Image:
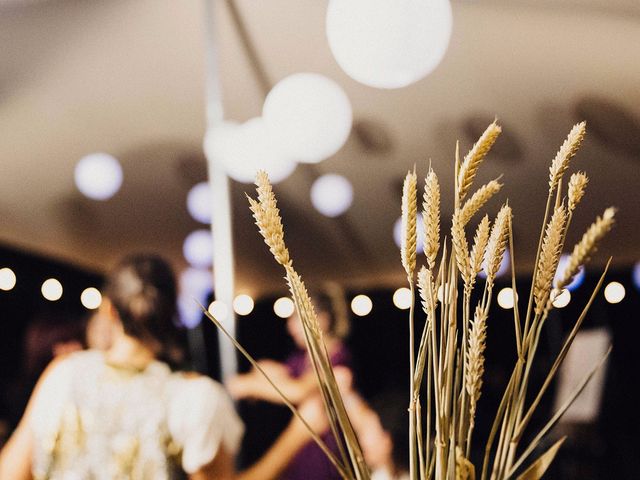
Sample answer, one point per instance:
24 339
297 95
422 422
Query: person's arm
253 385
15 457
220 468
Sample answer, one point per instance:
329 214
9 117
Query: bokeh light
402 298
98 176
243 304
198 248
361 305
51 289
91 298
331 195
284 307
200 202
614 292
7 279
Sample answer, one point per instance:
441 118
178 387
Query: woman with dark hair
125 412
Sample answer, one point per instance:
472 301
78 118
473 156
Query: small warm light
7 279
563 299
219 310
198 248
91 298
98 176
331 195
243 304
284 307
614 292
361 305
402 298
199 202
506 298
52 289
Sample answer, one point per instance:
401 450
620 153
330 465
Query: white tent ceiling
128 77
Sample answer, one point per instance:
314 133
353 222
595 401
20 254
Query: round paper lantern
198 248
388 43
98 176
199 202
331 195
244 149
309 116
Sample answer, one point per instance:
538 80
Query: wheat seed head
478 199
461 248
303 302
431 218
497 243
577 185
425 289
480 241
568 149
409 218
587 245
267 216
474 368
549 257
474 158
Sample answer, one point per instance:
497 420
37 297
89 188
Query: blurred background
118 91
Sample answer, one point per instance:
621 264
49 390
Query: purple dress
311 463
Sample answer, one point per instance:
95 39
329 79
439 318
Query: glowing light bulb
98 176
219 310
361 305
506 298
91 298
243 304
7 279
563 299
402 298
614 292
51 289
284 307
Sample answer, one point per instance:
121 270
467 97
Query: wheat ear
474 368
583 250
479 245
474 158
577 185
567 151
267 216
497 243
409 218
461 248
431 218
549 256
478 199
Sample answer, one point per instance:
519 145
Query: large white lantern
98 176
388 43
331 195
244 149
309 116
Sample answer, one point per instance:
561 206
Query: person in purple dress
297 380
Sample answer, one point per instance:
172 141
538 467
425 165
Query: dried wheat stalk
568 149
431 218
577 185
549 256
475 361
480 241
474 158
478 199
497 243
583 250
461 248
409 219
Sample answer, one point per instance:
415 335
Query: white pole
221 226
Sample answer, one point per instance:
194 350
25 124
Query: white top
94 420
